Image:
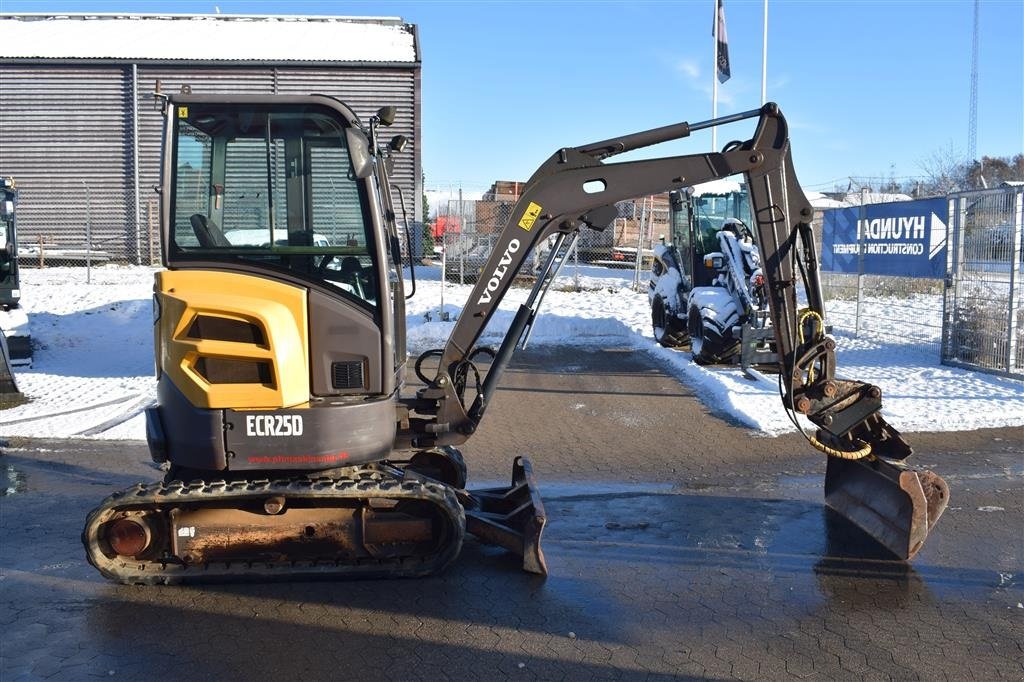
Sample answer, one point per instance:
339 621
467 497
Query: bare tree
945 171
989 171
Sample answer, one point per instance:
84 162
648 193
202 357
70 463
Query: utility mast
972 125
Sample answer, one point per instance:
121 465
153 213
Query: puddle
796 482
13 482
560 491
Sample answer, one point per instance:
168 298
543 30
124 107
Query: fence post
576 265
1015 267
861 218
639 246
88 234
153 228
444 267
952 216
636 260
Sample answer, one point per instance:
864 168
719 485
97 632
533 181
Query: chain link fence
974 318
86 229
80 232
886 308
905 310
468 229
984 298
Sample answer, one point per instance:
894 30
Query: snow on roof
723 186
207 38
858 198
819 200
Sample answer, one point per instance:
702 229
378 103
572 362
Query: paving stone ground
679 546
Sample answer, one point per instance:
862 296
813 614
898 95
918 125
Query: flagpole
714 82
764 57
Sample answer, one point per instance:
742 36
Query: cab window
273 188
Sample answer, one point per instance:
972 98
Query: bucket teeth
893 503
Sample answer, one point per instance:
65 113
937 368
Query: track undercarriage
378 520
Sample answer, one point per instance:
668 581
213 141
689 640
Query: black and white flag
723 45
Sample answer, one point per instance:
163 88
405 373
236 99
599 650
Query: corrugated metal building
80 133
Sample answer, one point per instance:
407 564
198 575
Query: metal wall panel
65 137
64 124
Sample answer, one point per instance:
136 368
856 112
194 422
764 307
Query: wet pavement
670 561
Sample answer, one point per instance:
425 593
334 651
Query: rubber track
363 484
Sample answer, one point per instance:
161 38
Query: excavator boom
867 480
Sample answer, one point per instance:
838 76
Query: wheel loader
707 291
293 448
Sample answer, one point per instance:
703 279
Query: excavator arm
866 479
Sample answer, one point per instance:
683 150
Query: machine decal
182 112
298 459
499 272
273 425
530 217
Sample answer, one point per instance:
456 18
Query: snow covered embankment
93 369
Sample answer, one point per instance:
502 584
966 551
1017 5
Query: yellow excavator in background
293 448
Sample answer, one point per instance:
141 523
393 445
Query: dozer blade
893 503
511 517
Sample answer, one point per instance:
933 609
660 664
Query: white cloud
724 96
689 68
779 82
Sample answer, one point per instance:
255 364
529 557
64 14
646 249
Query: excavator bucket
511 517
893 503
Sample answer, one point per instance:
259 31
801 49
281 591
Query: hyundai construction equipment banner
906 238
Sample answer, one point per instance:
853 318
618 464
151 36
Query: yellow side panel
278 309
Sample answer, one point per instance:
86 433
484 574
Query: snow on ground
93 359
93 368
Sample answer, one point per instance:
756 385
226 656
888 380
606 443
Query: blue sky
870 88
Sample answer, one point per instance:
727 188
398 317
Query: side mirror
714 260
675 198
386 115
359 152
398 143
396 250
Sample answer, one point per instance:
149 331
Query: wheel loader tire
668 329
706 343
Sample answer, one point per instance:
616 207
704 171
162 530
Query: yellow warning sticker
182 112
530 217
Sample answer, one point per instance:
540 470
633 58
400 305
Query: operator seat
207 232
351 274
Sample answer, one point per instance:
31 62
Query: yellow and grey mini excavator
292 447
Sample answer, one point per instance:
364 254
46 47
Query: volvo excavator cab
281 292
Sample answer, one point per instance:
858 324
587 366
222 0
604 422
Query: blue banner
905 238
